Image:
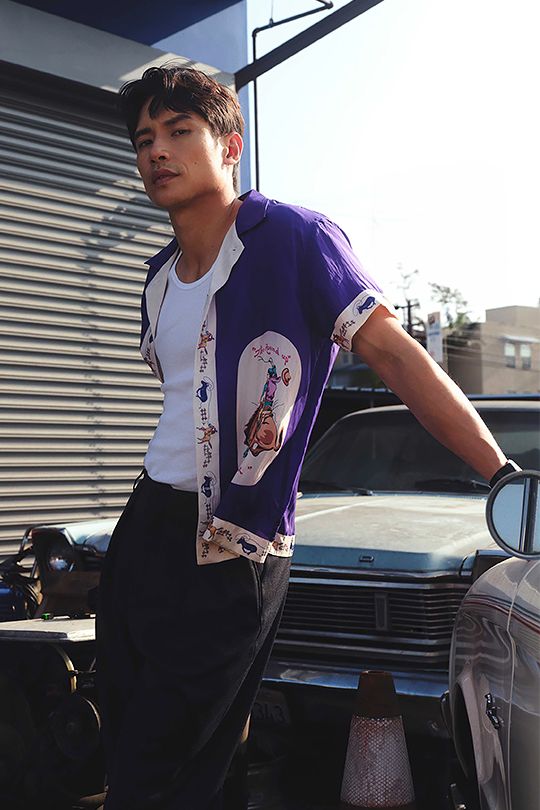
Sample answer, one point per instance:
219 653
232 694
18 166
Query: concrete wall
496 376
481 366
464 362
70 50
216 43
139 20
523 317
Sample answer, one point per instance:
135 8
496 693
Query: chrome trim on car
357 583
346 620
421 684
445 711
312 643
381 574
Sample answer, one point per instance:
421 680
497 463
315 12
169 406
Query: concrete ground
309 777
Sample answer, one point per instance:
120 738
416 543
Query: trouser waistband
144 476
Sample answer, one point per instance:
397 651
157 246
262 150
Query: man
250 296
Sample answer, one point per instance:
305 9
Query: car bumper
419 693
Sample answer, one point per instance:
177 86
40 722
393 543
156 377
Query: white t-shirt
170 457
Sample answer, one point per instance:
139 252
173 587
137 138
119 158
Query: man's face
180 160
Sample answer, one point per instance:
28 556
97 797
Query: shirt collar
251 212
157 261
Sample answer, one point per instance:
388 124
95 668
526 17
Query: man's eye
140 144
180 131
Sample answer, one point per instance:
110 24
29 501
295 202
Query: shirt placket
205 413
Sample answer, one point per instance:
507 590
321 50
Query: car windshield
392 451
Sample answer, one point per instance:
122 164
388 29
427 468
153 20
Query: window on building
510 354
525 352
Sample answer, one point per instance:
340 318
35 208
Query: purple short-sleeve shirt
286 292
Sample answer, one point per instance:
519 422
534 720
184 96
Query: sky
416 127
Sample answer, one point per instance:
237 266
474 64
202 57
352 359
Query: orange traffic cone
377 772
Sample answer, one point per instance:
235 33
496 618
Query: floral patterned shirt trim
355 315
240 541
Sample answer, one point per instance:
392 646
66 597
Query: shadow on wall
78 403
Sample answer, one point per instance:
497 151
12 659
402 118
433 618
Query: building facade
499 356
78 405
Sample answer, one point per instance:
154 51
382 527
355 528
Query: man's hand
435 400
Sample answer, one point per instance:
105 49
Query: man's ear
234 145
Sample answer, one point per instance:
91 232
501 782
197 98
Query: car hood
381 532
390 532
93 535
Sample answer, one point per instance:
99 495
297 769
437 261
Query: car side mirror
513 513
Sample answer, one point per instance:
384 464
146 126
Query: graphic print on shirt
207 432
355 315
148 351
269 374
207 436
204 427
203 395
208 485
204 391
204 339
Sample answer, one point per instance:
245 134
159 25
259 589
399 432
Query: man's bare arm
435 400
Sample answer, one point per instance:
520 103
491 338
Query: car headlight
60 556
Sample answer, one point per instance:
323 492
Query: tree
455 306
408 280
461 336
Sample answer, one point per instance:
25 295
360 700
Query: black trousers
181 651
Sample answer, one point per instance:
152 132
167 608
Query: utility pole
410 321
409 305
259 66
325 5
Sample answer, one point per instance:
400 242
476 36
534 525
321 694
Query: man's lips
163 176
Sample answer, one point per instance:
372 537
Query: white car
493 704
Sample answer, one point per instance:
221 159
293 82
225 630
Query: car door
524 730
483 662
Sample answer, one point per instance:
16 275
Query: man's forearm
436 401
445 412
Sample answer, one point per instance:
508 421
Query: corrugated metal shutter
77 404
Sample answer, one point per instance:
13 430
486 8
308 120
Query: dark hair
183 90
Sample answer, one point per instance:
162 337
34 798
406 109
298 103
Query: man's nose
158 152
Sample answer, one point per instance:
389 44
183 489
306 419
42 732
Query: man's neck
200 229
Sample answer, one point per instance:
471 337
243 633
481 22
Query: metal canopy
293 46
